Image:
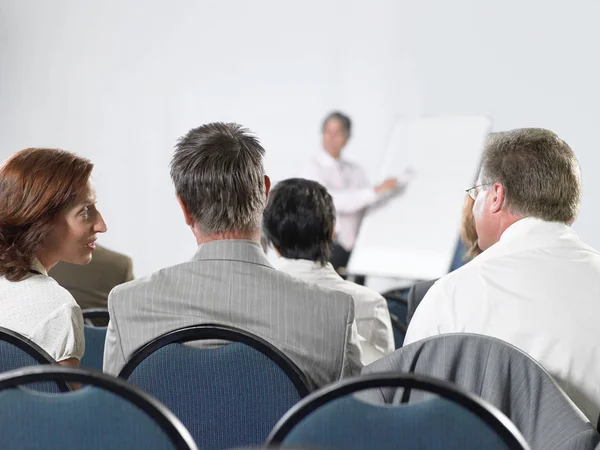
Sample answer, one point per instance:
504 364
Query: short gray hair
218 173
539 172
342 118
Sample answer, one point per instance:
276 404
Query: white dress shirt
41 310
375 334
538 288
349 187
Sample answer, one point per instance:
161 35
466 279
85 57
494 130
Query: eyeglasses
473 191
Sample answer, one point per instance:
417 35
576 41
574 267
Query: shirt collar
326 159
37 265
526 225
233 250
303 266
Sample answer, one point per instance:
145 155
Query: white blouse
348 185
371 312
41 310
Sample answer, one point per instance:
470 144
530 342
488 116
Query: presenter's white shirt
371 313
349 187
538 288
44 312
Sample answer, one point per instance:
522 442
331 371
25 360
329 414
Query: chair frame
90 314
159 413
32 349
497 421
391 295
225 333
398 324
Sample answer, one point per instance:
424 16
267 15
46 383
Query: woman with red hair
47 214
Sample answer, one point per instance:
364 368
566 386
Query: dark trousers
339 259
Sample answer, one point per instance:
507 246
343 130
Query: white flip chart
413 235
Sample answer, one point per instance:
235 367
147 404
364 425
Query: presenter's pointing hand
388 185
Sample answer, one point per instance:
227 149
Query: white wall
119 81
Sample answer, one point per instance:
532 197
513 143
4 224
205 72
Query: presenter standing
347 184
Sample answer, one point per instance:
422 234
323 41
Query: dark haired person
47 214
299 221
537 284
346 182
221 186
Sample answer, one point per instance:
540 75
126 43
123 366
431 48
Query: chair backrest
228 396
397 303
458 260
399 330
16 351
106 413
502 375
398 307
94 347
331 418
96 316
95 322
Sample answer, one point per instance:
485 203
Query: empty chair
500 374
334 419
398 307
16 351
228 396
95 337
106 413
415 295
399 330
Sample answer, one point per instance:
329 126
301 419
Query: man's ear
267 186
498 196
186 212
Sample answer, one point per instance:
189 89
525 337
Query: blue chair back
16 351
228 397
94 347
451 420
458 260
398 307
351 424
399 329
102 415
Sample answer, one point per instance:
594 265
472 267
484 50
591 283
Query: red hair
36 184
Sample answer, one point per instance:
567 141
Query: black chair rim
506 344
391 296
95 313
398 324
32 349
226 333
493 417
159 413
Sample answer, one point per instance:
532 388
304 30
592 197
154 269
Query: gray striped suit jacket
499 373
231 282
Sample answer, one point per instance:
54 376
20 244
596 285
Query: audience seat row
226 408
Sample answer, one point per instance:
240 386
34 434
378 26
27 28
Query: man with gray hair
536 285
218 173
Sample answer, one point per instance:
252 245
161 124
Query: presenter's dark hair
342 118
36 185
299 220
218 173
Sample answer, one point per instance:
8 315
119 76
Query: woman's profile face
75 230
